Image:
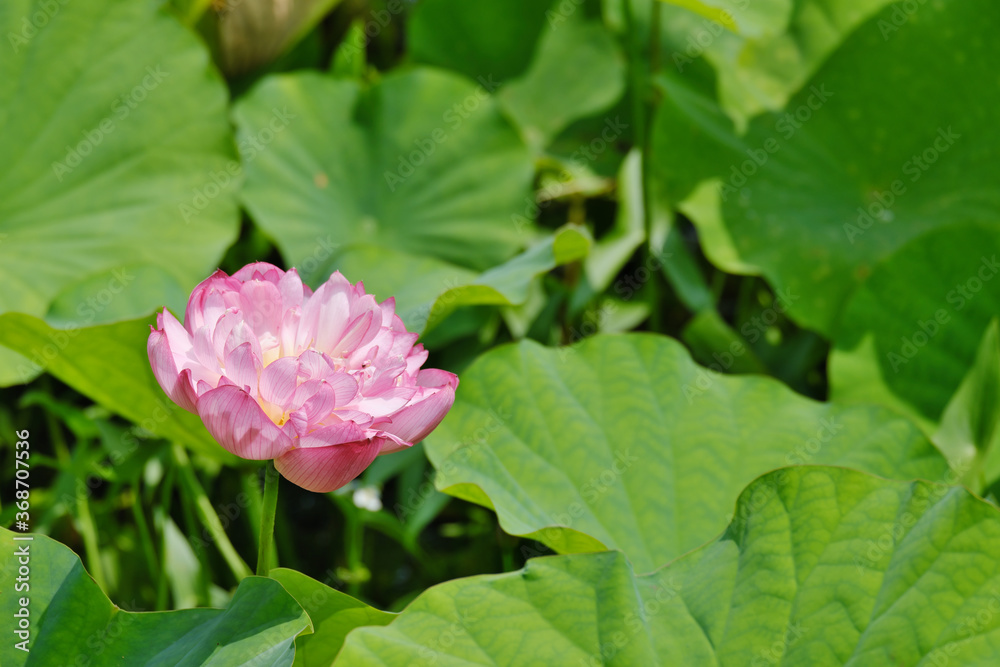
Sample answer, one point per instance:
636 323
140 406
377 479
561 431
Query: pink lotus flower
320 382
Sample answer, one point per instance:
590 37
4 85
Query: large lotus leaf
333 614
910 334
551 93
490 38
422 162
623 442
112 125
821 566
853 168
72 622
109 365
762 52
548 66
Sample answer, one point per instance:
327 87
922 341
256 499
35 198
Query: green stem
271 478
88 530
142 526
198 547
637 80
646 112
84 519
161 512
207 515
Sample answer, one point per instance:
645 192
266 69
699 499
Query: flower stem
271 478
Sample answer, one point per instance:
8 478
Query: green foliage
821 566
109 132
333 614
422 163
73 618
108 363
566 444
908 337
600 214
851 169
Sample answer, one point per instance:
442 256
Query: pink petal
392 443
297 425
244 368
428 408
384 380
388 308
415 359
290 330
260 303
315 366
178 337
360 332
324 469
334 434
208 300
224 327
237 422
267 271
362 419
241 335
290 287
303 393
325 315
345 387
387 402
177 385
319 406
204 351
278 380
